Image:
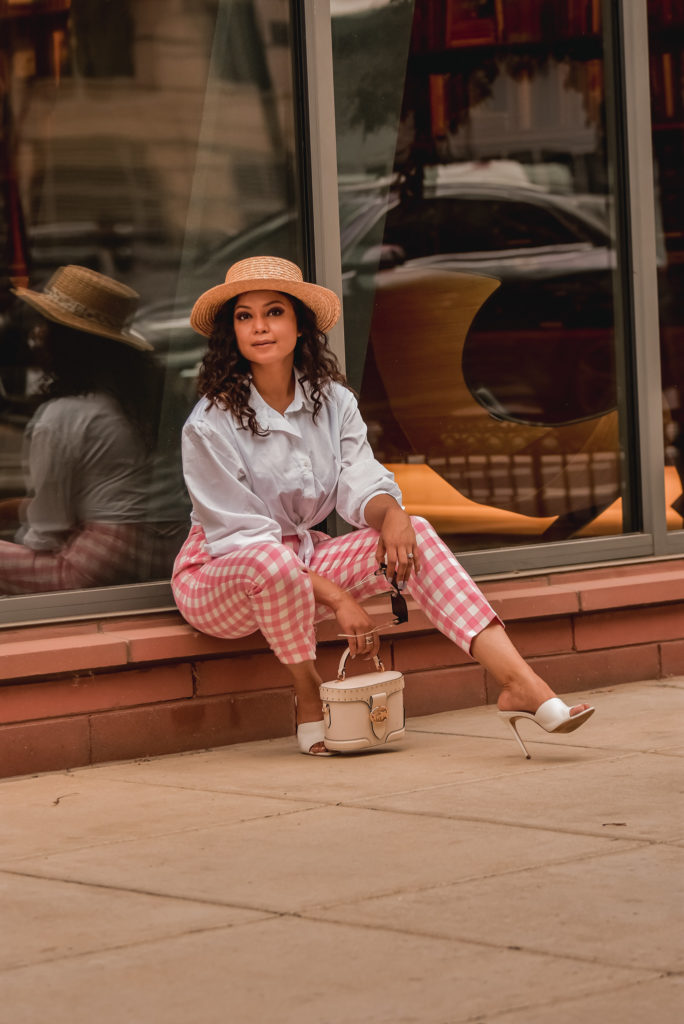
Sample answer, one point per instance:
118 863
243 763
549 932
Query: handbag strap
341 668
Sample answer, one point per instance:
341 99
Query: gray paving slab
276 864
632 796
304 972
57 812
623 908
70 919
447 881
636 716
275 769
658 999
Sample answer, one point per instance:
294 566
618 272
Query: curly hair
225 377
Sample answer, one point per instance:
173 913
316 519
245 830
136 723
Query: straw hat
265 273
90 302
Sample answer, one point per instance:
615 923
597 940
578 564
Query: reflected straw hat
265 273
81 298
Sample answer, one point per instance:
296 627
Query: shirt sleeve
362 477
50 514
230 514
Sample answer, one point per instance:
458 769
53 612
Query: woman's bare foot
529 698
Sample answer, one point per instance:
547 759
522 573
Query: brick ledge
79 693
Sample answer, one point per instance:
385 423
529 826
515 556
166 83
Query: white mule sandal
308 735
551 716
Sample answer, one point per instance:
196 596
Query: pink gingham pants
265 587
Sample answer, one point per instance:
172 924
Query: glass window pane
156 151
666 46
479 260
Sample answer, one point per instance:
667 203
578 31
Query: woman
274 445
88 448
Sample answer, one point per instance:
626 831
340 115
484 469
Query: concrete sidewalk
444 880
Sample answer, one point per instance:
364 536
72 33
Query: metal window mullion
642 241
323 154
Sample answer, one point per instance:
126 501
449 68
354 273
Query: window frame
627 63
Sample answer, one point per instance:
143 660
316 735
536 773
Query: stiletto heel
514 727
551 716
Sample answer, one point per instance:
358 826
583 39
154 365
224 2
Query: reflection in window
666 45
479 262
154 152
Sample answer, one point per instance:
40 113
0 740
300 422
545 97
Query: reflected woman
88 447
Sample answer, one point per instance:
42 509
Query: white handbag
364 711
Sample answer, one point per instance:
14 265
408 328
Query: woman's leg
263 587
457 607
449 598
521 688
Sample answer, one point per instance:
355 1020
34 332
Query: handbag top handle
341 668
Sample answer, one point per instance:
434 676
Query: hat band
72 306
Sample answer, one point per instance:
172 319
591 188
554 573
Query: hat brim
323 302
53 311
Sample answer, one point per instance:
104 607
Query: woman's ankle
524 695
306 682
309 711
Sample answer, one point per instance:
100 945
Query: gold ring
410 555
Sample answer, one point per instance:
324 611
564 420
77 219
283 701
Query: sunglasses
397 599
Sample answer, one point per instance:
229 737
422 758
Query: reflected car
555 259
553 255
539 354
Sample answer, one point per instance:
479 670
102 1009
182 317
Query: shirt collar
269 419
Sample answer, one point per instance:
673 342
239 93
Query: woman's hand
356 625
398 546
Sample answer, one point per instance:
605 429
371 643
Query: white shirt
84 463
246 489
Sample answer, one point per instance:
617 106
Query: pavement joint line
507 823
558 1001
355 806
157 835
311 918
132 944
109 886
270 916
180 897
483 943
614 754
469 879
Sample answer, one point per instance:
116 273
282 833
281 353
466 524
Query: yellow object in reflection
428 494
563 476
